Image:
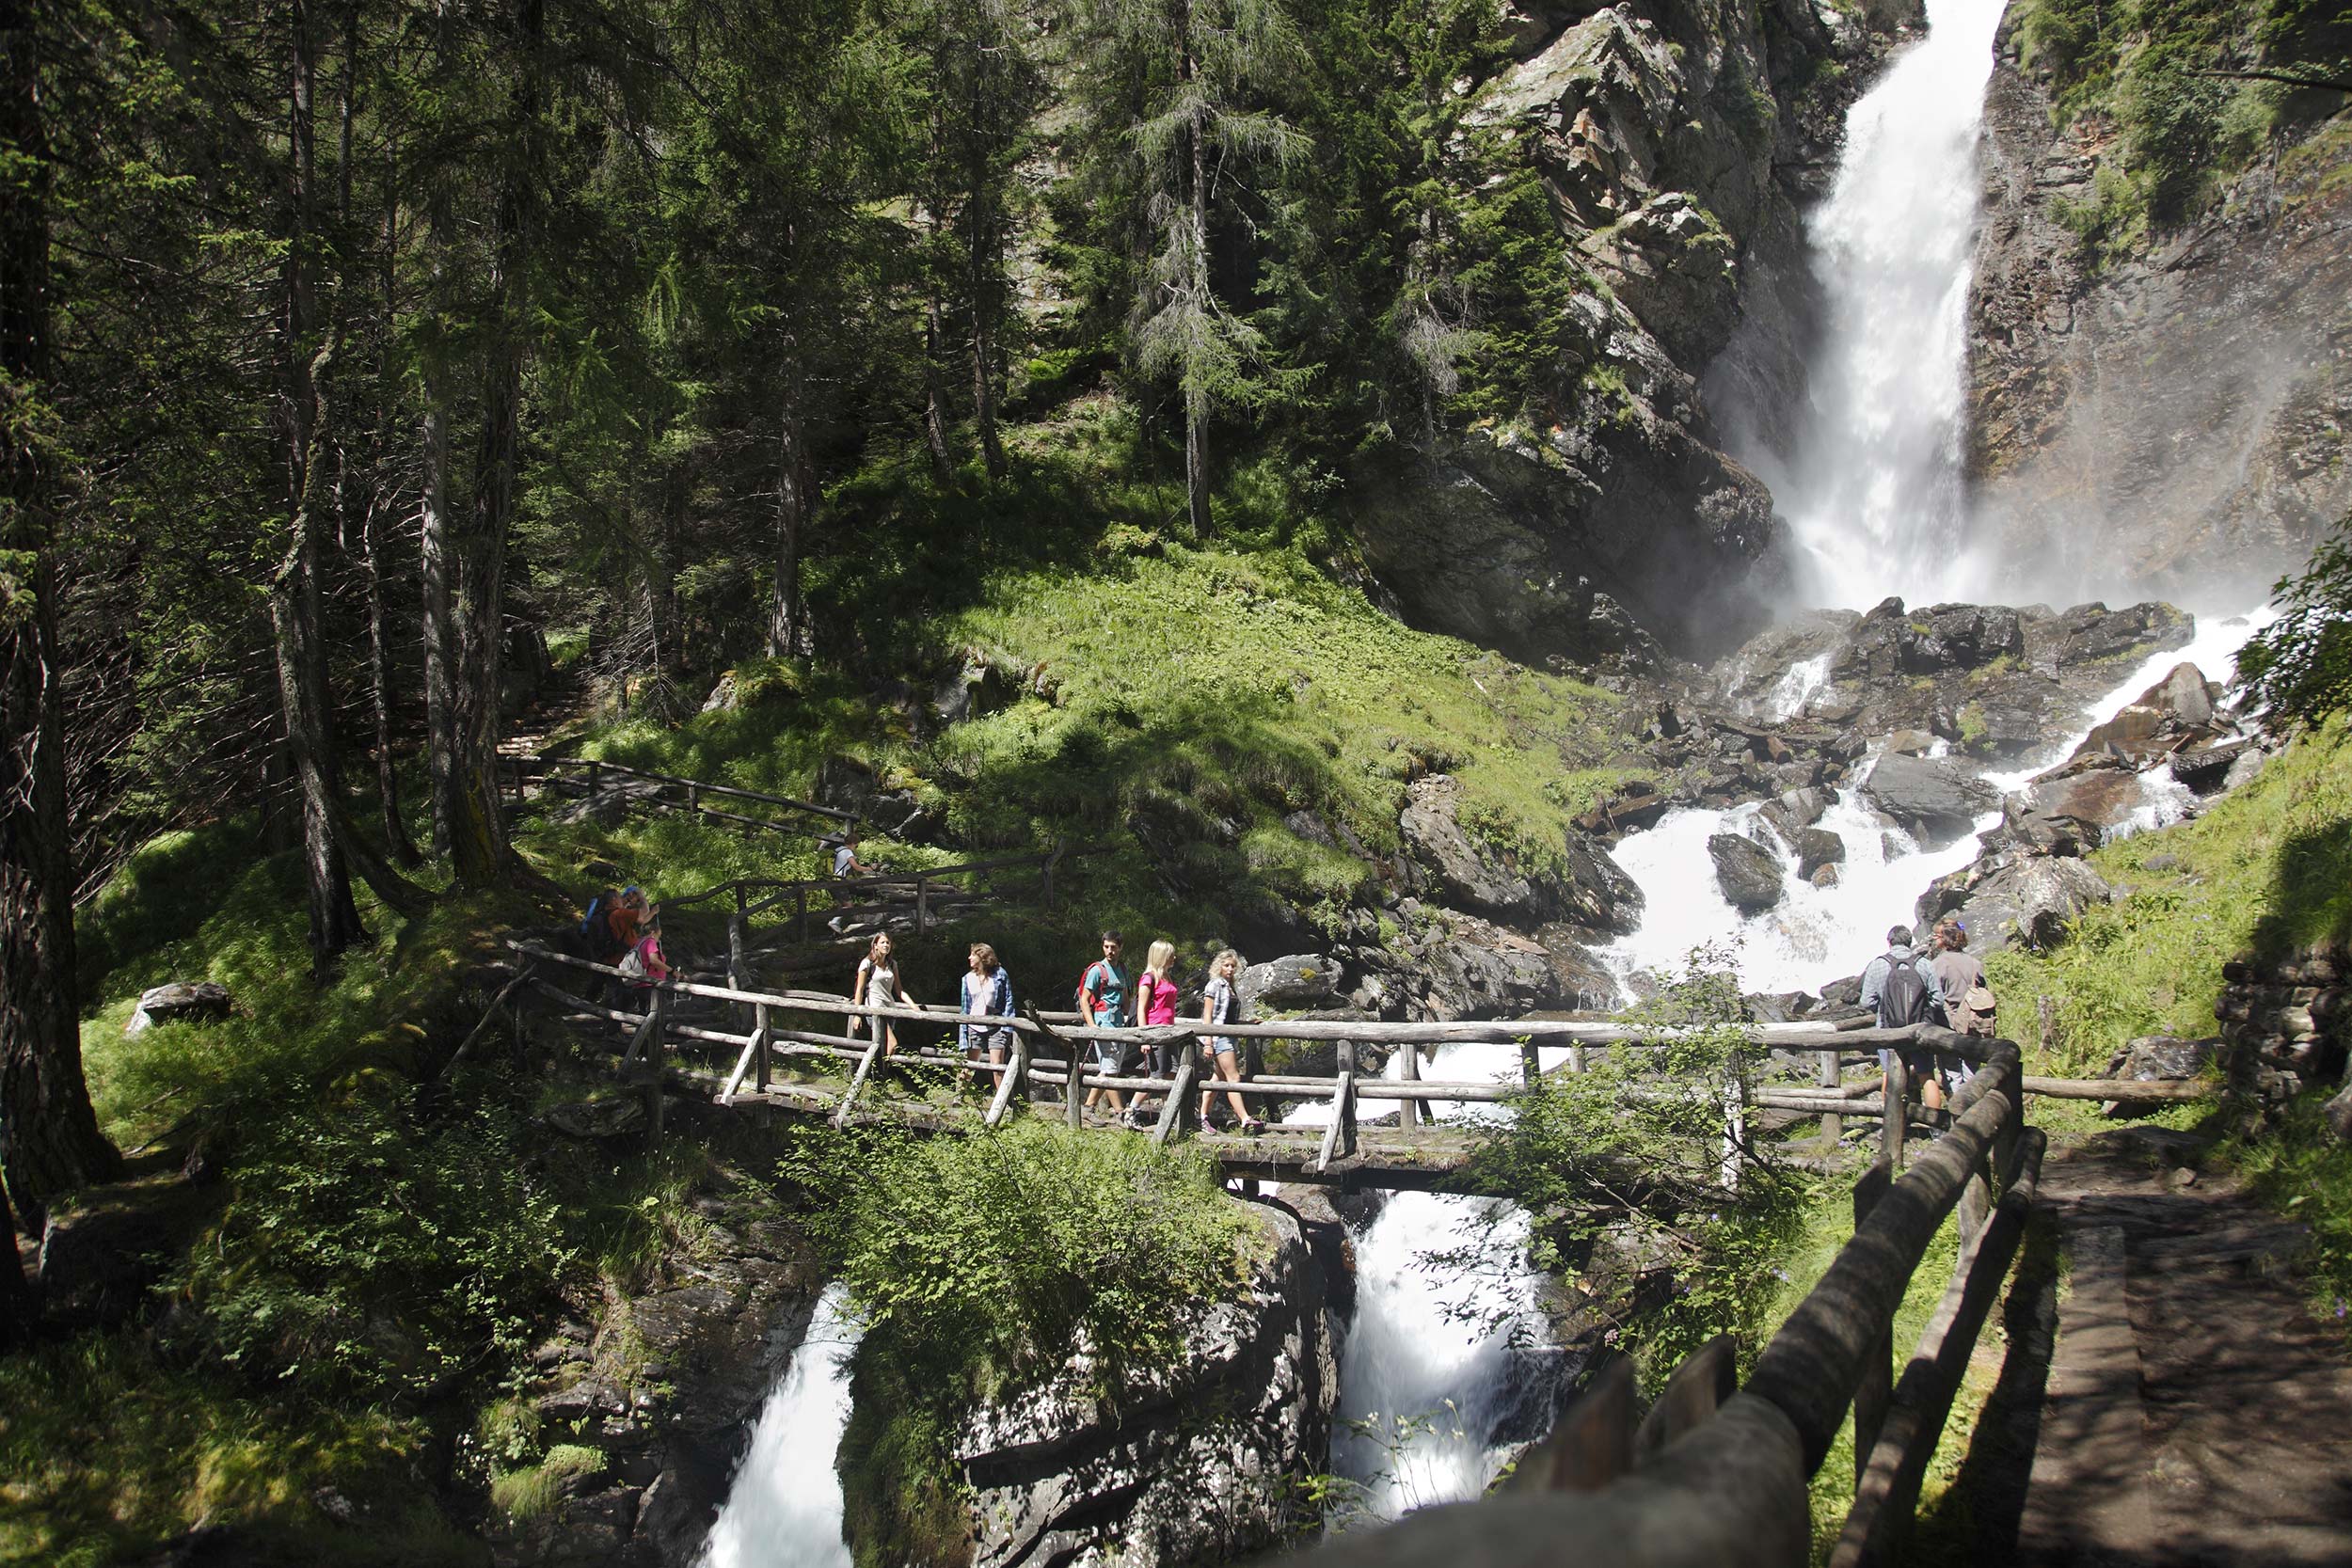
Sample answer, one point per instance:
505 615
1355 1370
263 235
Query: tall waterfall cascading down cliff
1871 483
783 1508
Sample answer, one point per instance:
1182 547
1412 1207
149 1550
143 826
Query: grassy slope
1202 693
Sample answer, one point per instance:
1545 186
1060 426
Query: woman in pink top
1155 1003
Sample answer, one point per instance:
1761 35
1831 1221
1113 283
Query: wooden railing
670 792
1720 1478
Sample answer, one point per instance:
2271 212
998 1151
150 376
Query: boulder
1817 847
182 1001
2160 720
1462 967
2210 769
1748 873
1933 796
2014 901
2160 1058
2095 792
1464 871
1596 893
620 1116
1798 808
1066 1472
2039 832
2090 633
103 1250
1294 981
1961 637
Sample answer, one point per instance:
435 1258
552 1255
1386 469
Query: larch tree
1187 84
49 1137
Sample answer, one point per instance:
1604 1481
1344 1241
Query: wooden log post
1734 1127
693 797
592 786
922 904
1531 1064
1896 1100
1173 1114
1408 1111
1833 1127
1878 1362
1577 1062
1343 1124
857 1081
1009 1084
1072 1092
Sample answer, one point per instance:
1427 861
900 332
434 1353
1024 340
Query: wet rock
1933 796
1292 981
1243 1413
1825 876
2160 720
1586 984
1798 808
1467 968
2092 633
2095 792
1749 874
182 1001
2040 833
1596 893
1817 847
2013 900
2212 769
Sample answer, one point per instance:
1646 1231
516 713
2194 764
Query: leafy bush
363 1251
2299 667
1023 1242
1622 1167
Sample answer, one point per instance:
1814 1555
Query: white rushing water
1427 1371
783 1508
1816 935
1871 487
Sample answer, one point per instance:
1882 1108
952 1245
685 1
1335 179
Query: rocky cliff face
2177 421
1676 139
1197 1462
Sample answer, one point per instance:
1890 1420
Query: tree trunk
294 599
380 499
1196 394
17 1316
982 286
49 1137
934 398
433 556
478 843
785 632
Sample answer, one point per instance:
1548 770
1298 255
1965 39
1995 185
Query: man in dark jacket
1899 985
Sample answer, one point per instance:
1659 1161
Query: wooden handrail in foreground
1730 1491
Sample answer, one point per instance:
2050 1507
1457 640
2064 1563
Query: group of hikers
1945 986
1108 998
623 929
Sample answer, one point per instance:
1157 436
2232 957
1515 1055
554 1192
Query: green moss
107 1454
532 1492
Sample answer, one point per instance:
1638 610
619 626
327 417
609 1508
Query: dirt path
2177 1402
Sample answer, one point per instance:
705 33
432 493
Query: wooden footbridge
1713 1473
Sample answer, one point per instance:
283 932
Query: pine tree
1181 83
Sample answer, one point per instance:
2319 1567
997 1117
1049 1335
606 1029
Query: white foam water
1872 485
783 1508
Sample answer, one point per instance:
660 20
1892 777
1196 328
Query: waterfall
783 1508
1428 1369
1872 485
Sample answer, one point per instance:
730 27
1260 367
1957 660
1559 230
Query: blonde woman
1156 1004
878 985
1220 1004
987 993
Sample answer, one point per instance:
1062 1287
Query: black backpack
1903 994
596 927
